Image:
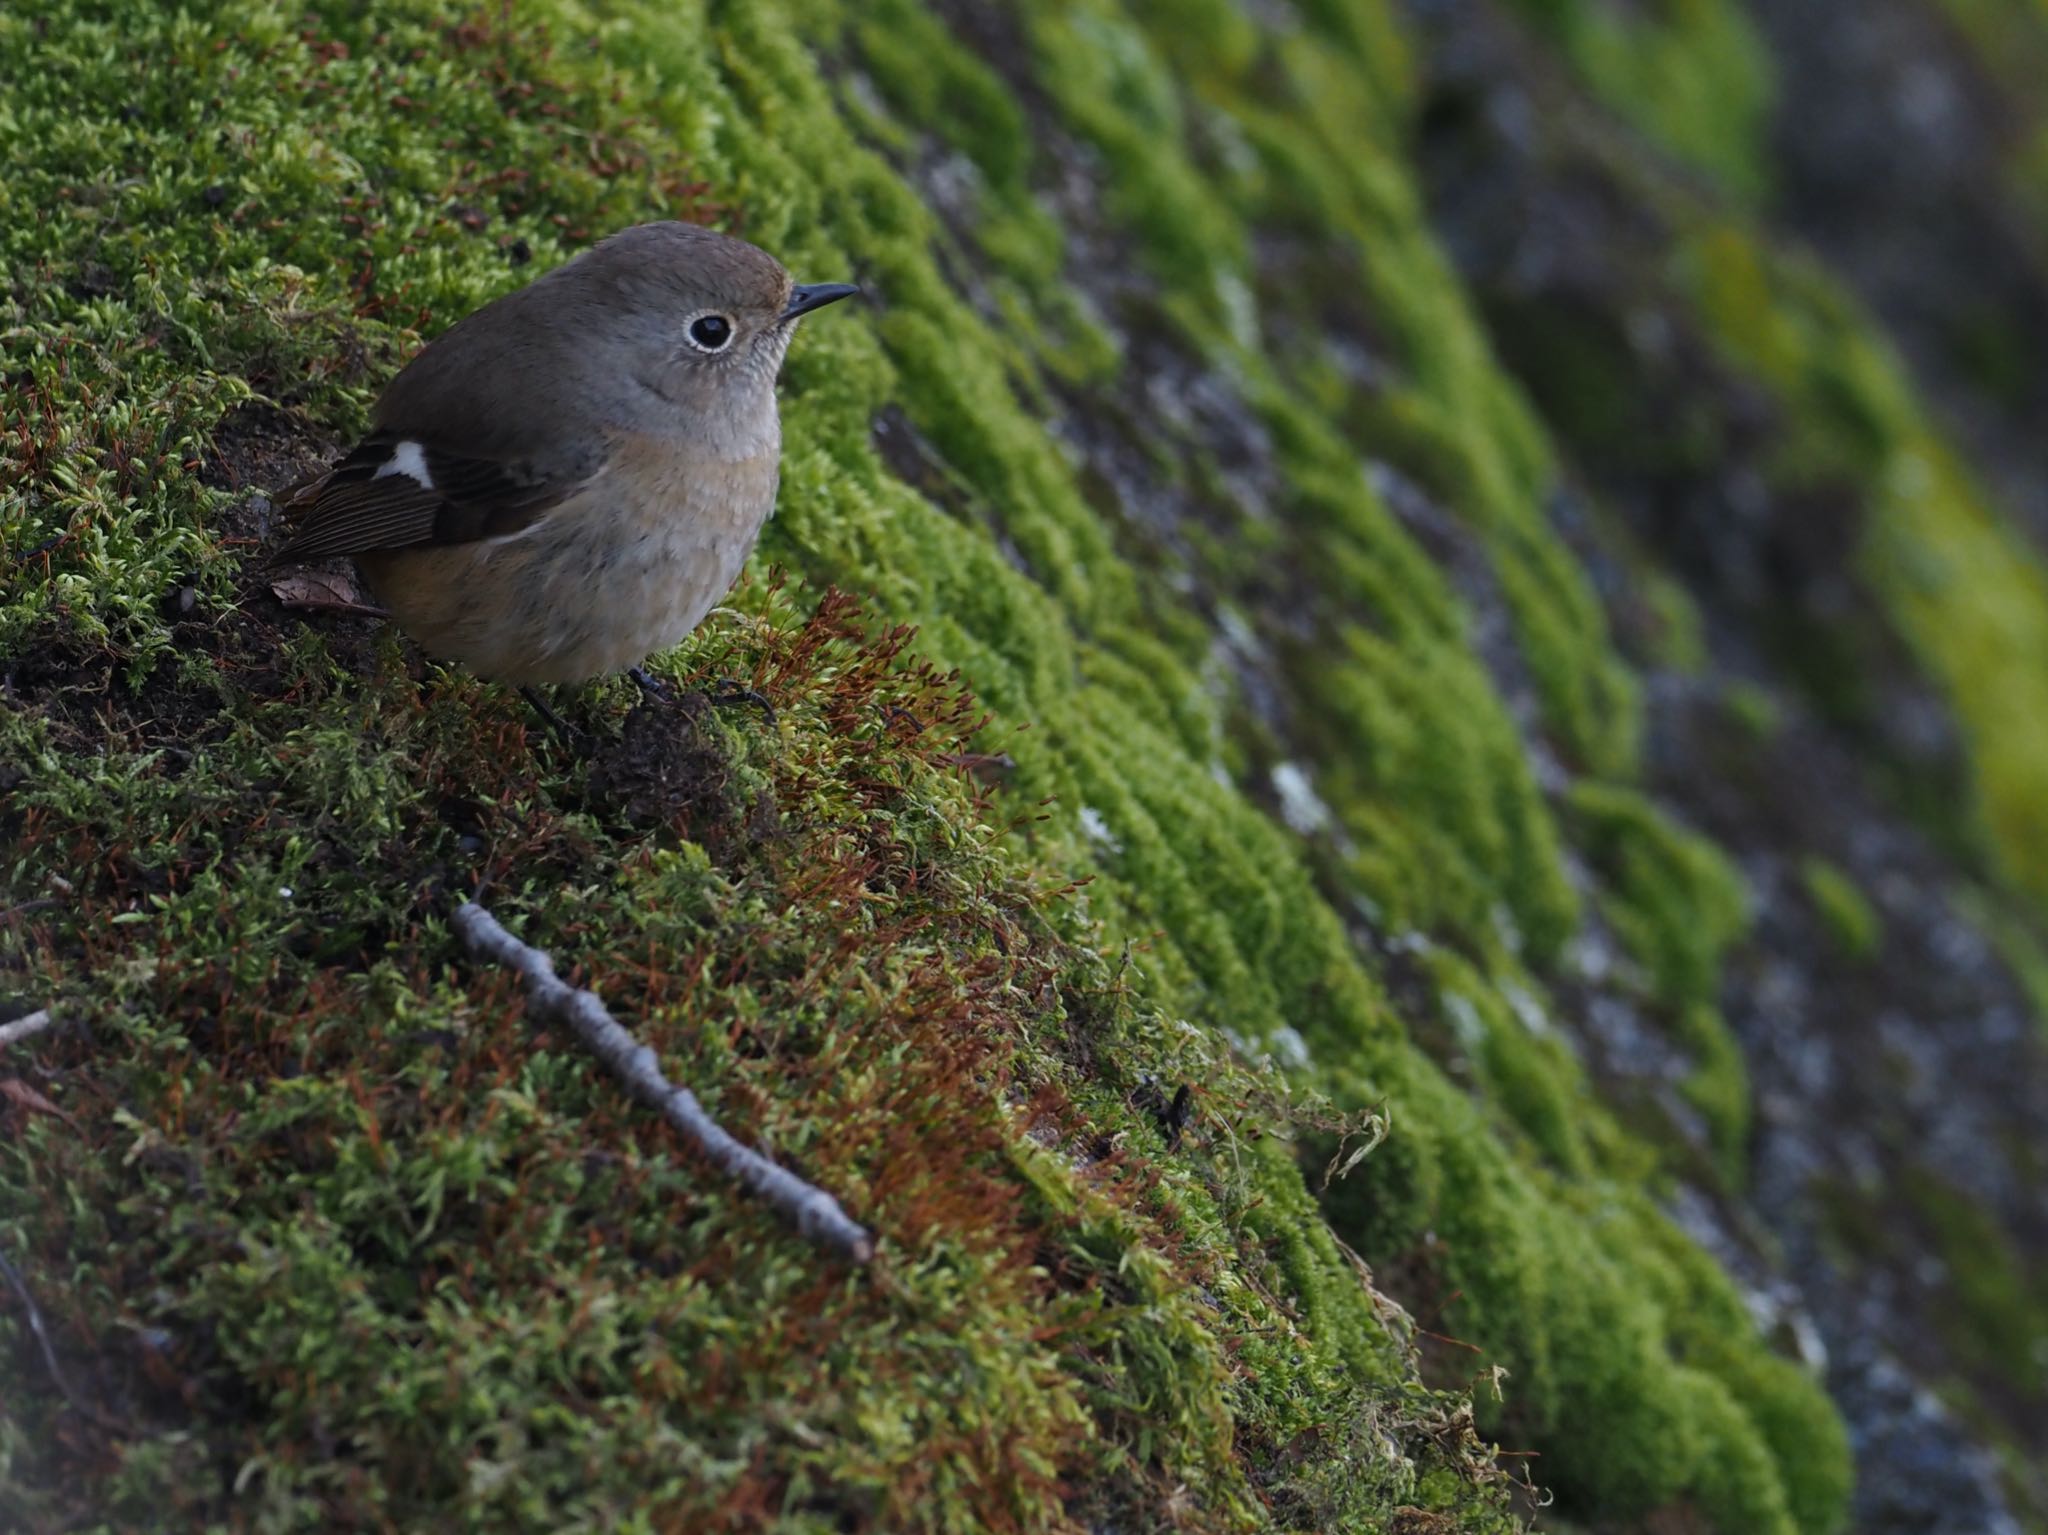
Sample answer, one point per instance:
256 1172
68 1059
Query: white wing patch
409 460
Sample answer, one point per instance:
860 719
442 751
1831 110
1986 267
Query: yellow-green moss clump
1962 587
349 1244
1692 74
1677 903
1851 920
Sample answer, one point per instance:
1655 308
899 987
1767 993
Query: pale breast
597 585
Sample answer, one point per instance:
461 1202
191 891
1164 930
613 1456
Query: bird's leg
650 684
558 727
726 691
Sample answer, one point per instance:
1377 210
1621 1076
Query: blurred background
1776 276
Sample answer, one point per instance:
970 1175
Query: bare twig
42 1336
23 1028
814 1212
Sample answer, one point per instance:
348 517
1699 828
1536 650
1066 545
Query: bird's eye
711 333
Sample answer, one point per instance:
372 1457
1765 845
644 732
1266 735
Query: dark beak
808 296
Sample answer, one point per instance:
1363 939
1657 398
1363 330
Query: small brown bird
570 478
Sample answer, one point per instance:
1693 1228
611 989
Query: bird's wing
396 492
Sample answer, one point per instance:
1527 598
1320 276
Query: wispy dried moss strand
811 1210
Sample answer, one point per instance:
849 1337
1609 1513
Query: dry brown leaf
324 591
20 1094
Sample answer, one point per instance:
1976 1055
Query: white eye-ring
710 332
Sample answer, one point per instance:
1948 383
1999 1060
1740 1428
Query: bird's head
705 312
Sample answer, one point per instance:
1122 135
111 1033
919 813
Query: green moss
1120 95
2010 42
1677 903
931 80
1678 640
1605 1320
1329 165
1718 1088
1987 1304
1710 1322
1675 898
1693 75
2020 944
1810 1449
1759 714
1843 908
2000 1318
1961 586
1428 772
1534 1080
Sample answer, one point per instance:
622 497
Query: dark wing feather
353 508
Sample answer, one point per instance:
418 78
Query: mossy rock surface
1208 802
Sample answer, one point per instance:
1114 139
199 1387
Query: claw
650 684
558 727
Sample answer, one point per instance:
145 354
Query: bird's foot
651 685
558 727
727 691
